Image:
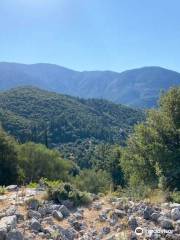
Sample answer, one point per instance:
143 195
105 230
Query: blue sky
91 34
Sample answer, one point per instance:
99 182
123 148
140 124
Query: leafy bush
175 197
2 190
51 183
8 159
138 193
37 161
66 191
93 181
153 151
32 185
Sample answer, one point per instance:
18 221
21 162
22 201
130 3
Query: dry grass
157 196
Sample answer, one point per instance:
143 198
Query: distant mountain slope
31 114
138 87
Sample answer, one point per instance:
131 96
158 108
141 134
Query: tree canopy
152 155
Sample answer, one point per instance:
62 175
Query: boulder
11 188
57 215
174 205
78 226
49 208
3 198
175 214
33 204
119 213
132 222
68 203
14 235
106 230
103 217
3 233
11 211
35 225
78 215
165 223
147 213
8 222
64 210
33 214
155 216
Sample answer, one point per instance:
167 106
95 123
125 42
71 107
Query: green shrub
8 159
175 197
32 185
51 183
66 191
37 161
138 193
2 190
93 181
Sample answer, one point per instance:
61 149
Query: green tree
106 157
8 159
37 161
153 151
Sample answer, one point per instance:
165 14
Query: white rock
175 214
8 222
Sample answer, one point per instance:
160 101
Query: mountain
31 114
138 87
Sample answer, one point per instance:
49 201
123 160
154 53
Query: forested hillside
137 87
31 114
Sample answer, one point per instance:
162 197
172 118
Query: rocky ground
24 214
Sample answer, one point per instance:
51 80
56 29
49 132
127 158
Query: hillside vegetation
136 182
150 159
31 114
137 87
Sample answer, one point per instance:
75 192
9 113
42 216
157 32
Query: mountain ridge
138 87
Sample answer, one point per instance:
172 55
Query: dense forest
149 159
31 114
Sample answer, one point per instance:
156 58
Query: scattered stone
33 204
132 222
3 233
78 215
65 212
57 215
3 198
106 230
147 213
155 216
103 217
78 226
11 211
175 214
8 222
97 206
14 235
69 204
33 214
35 225
165 223
11 188
120 213
39 221
174 205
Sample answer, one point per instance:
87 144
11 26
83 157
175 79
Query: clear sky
91 34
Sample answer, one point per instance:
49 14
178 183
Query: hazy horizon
90 70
